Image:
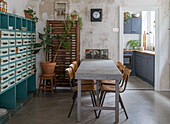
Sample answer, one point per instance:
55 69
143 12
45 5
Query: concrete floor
143 107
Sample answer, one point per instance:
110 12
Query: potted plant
47 38
72 18
30 13
133 43
126 17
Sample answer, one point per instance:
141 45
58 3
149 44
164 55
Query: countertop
144 51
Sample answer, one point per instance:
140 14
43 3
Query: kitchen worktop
143 51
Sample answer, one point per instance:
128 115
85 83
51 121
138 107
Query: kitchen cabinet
145 67
134 26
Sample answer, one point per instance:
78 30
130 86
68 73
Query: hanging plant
127 16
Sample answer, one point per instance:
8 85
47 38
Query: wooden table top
98 69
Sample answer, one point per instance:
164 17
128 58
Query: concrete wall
100 35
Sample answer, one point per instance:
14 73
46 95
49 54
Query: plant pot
74 17
126 15
27 15
48 67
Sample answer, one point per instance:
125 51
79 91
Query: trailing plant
32 14
126 19
133 43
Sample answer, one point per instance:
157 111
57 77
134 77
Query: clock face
96 15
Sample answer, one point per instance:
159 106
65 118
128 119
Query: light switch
115 29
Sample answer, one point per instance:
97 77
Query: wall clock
96 15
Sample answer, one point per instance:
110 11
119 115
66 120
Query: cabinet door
150 67
128 27
136 25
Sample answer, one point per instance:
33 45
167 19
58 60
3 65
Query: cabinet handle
5 78
12 50
11 74
24 69
12 58
24 62
24 55
18 34
4 52
5 69
18 79
21 50
19 72
12 66
12 35
19 57
12 43
5 60
12 82
5 43
5 34
24 75
19 64
5 86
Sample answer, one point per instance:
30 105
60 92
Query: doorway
148 38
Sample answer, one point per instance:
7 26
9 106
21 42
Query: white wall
103 37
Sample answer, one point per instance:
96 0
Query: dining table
98 69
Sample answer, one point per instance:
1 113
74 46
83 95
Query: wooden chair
42 86
84 88
75 63
113 82
111 88
83 82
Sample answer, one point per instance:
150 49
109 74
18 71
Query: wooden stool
44 77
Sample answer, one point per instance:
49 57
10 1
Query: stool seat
45 77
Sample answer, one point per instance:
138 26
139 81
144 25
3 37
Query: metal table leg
117 102
79 101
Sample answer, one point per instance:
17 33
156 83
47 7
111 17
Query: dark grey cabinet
134 26
145 67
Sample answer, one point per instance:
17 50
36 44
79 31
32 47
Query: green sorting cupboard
17 61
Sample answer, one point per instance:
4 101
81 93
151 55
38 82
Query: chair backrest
70 74
120 66
126 74
75 65
73 68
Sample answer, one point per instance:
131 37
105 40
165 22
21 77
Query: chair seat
47 75
86 82
111 82
110 88
85 88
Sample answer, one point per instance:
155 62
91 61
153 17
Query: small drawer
18 42
29 35
24 62
3 60
28 48
24 69
4 52
12 50
11 74
11 42
11 82
3 69
3 43
33 71
19 49
11 35
4 34
3 86
29 41
24 75
18 78
33 35
33 65
18 57
33 59
29 73
24 48
33 41
29 60
12 58
29 66
18 71
11 66
4 78
24 35
18 34
18 64
25 42
24 55
28 54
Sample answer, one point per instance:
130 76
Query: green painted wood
21 90
31 84
8 99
